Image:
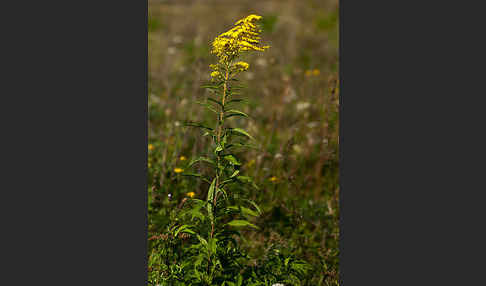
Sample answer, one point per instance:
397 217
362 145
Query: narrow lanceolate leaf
232 160
209 86
197 176
237 100
202 159
215 101
207 106
234 112
234 174
195 124
241 146
210 199
184 228
241 132
243 210
240 223
255 205
246 179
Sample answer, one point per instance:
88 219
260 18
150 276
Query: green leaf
208 106
234 174
237 100
210 86
242 146
215 101
232 160
239 223
202 159
218 149
223 192
197 176
246 179
212 245
199 125
286 261
241 132
234 112
243 210
203 241
240 280
210 200
184 228
255 205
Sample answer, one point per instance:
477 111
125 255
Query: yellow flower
182 158
316 72
242 66
149 165
178 170
214 74
308 73
242 37
151 147
191 194
273 179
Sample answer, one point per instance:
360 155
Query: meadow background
294 117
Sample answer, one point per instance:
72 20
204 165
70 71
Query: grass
293 107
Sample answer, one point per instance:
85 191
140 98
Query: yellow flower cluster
242 37
178 170
215 74
241 66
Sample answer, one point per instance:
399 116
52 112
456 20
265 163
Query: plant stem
218 139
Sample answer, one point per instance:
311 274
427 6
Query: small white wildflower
278 284
325 141
177 123
169 196
171 50
278 156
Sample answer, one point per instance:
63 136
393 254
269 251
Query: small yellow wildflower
178 170
151 147
182 158
273 179
149 165
316 72
308 73
215 74
191 194
242 66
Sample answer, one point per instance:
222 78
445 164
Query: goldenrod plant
201 244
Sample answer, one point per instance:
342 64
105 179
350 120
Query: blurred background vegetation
294 117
